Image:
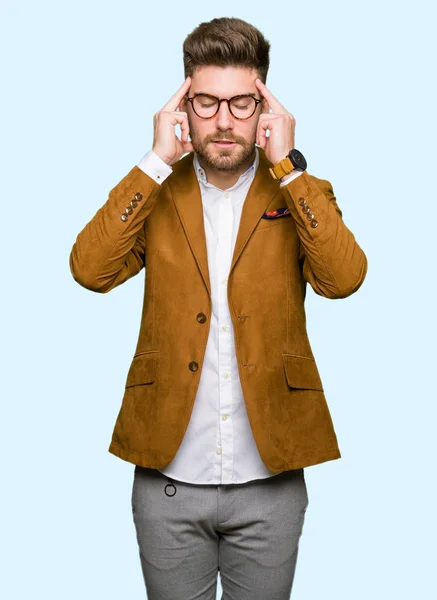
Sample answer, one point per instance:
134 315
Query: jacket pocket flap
143 368
302 372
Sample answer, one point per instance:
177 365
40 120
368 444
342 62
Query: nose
224 118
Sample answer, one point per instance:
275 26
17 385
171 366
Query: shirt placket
223 265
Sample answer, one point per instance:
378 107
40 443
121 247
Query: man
223 404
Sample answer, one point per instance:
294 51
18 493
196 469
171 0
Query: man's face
223 82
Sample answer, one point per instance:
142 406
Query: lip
220 144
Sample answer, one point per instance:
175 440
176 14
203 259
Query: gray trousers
249 532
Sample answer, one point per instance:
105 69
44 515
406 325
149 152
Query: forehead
223 81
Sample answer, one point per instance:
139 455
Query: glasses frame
228 100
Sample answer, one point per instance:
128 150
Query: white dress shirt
218 446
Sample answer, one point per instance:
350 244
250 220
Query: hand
166 143
281 124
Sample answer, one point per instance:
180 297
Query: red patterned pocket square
278 212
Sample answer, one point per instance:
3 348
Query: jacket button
124 217
138 196
133 203
314 223
302 201
193 365
201 318
129 210
306 209
310 216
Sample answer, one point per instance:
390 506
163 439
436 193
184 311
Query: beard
221 159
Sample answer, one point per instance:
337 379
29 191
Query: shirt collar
201 175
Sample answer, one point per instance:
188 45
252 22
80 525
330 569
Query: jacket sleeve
111 247
332 261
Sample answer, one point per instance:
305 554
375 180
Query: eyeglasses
241 107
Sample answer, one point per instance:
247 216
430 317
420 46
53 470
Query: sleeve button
314 223
138 196
124 217
302 201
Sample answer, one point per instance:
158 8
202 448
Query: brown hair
226 42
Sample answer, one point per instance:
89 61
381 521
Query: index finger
173 103
274 104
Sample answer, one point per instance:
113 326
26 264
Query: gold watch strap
283 167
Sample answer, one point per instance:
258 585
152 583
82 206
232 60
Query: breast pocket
276 222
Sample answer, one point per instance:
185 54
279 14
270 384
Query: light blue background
81 82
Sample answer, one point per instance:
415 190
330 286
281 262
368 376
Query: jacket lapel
188 203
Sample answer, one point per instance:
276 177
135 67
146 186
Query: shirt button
226 375
226 194
219 443
218 451
224 327
224 417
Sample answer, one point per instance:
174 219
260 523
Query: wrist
294 160
287 176
162 157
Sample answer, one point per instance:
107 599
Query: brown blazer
160 227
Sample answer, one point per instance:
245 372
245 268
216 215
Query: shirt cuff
290 176
155 167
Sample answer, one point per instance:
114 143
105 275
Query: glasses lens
205 106
243 107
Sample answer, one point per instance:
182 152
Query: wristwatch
293 159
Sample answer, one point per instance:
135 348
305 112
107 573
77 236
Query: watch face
298 159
